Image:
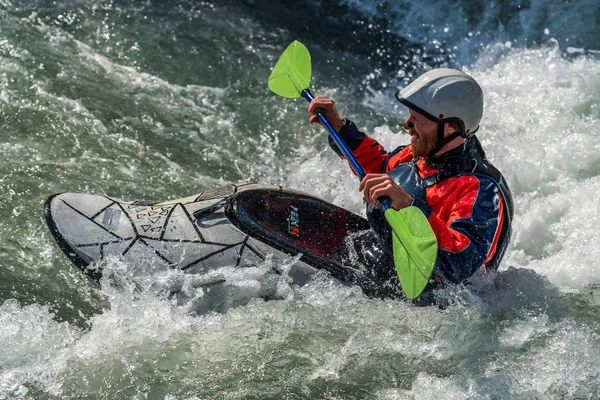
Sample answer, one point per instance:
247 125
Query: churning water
164 99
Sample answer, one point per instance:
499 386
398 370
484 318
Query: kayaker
444 172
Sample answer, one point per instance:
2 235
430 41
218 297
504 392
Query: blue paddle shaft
354 164
341 144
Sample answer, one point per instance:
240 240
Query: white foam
32 348
539 128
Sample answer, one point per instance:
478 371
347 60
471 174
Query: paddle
414 243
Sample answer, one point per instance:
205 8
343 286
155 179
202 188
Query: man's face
423 134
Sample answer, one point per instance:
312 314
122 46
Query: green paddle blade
291 74
415 248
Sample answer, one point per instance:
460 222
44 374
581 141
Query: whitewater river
164 99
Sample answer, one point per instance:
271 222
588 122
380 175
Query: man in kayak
444 172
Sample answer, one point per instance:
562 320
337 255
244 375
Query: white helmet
446 95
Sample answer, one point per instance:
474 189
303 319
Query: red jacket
466 207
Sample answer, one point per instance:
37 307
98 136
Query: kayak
233 226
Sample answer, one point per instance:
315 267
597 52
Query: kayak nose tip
68 216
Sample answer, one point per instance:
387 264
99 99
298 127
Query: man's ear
452 127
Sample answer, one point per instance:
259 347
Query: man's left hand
375 186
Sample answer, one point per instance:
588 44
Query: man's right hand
375 186
327 108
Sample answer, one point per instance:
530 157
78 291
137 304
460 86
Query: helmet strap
441 140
